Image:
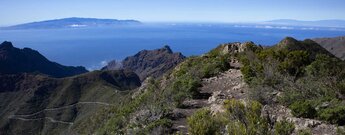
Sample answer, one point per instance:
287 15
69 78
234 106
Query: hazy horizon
219 11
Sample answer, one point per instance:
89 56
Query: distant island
73 22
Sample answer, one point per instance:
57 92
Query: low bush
334 114
295 62
304 132
304 109
283 127
203 123
246 118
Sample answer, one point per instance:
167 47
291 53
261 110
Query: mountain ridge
335 45
14 60
149 63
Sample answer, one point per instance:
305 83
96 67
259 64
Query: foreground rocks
277 113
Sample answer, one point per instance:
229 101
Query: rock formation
152 63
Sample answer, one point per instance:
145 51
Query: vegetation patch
310 80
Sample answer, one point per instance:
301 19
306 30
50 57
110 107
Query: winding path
20 117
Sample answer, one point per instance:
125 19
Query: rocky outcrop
235 47
14 60
277 113
148 63
334 45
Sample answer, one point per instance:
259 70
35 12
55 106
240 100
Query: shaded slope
14 60
34 104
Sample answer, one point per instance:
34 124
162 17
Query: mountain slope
34 104
334 45
14 60
150 62
291 88
74 23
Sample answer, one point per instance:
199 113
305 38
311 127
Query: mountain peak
308 45
167 48
288 40
14 60
288 43
149 63
6 44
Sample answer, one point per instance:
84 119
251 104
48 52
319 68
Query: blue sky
20 11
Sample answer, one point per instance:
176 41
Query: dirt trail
61 108
48 118
213 92
24 117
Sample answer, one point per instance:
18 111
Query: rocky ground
230 85
278 113
214 91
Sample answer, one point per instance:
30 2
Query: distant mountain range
334 45
320 23
73 22
14 60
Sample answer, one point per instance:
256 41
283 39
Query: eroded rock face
152 63
234 47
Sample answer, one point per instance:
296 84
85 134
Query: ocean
94 47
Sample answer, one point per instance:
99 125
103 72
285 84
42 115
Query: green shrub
159 123
295 62
340 131
304 132
248 73
341 87
303 109
203 123
325 65
283 127
236 128
185 88
247 117
334 114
